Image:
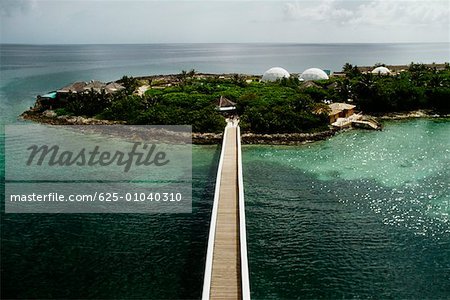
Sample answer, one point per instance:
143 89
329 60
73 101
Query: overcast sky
147 21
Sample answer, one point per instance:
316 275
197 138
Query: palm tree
191 73
182 77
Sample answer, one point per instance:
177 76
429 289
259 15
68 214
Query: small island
276 108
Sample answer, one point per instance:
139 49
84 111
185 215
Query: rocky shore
411 115
266 139
286 138
50 117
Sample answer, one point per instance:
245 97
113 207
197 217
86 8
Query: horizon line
219 43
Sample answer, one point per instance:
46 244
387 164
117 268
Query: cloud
407 13
375 12
149 21
9 8
316 11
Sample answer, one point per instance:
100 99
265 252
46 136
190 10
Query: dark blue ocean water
362 215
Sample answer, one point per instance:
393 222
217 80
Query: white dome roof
381 70
273 74
313 74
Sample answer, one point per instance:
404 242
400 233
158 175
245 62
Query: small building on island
343 115
48 100
113 87
60 97
381 71
313 74
76 87
310 84
274 74
340 110
97 86
225 105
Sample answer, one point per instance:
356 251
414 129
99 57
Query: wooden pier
226 271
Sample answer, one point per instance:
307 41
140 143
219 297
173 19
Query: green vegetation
62 112
89 104
419 87
281 107
262 107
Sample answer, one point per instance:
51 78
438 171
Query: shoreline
414 114
248 138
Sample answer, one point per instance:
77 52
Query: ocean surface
362 215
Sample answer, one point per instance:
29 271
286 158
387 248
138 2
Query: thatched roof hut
75 87
113 87
308 84
224 104
95 85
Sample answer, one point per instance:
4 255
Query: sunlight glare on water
338 217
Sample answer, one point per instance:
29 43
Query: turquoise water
362 215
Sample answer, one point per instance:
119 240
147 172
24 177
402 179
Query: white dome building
313 74
381 71
273 74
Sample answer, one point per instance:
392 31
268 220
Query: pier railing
245 281
212 225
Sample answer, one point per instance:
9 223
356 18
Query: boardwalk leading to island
226 272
